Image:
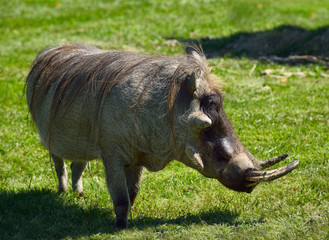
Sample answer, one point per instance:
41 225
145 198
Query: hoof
61 189
121 223
81 195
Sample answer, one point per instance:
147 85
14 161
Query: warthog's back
82 99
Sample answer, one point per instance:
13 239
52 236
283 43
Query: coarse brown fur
117 106
74 68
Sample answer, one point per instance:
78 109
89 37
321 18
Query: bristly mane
74 68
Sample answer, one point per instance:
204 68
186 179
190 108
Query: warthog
134 111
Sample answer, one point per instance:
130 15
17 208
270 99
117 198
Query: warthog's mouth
254 176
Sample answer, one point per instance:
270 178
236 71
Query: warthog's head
213 148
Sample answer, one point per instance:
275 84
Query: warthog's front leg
133 176
61 172
77 170
116 183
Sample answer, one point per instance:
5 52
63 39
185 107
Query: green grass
272 115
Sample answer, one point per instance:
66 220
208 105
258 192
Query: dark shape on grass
136 111
43 214
285 44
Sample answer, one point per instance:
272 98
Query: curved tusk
259 176
271 161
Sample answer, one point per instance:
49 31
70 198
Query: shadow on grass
42 214
282 41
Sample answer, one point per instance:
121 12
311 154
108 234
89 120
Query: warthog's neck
155 161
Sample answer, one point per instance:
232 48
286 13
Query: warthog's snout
238 176
242 178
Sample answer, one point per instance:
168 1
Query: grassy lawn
284 110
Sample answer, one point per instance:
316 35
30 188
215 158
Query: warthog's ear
195 53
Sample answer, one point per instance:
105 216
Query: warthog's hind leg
61 172
77 170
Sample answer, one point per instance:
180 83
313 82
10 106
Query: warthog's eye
210 106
